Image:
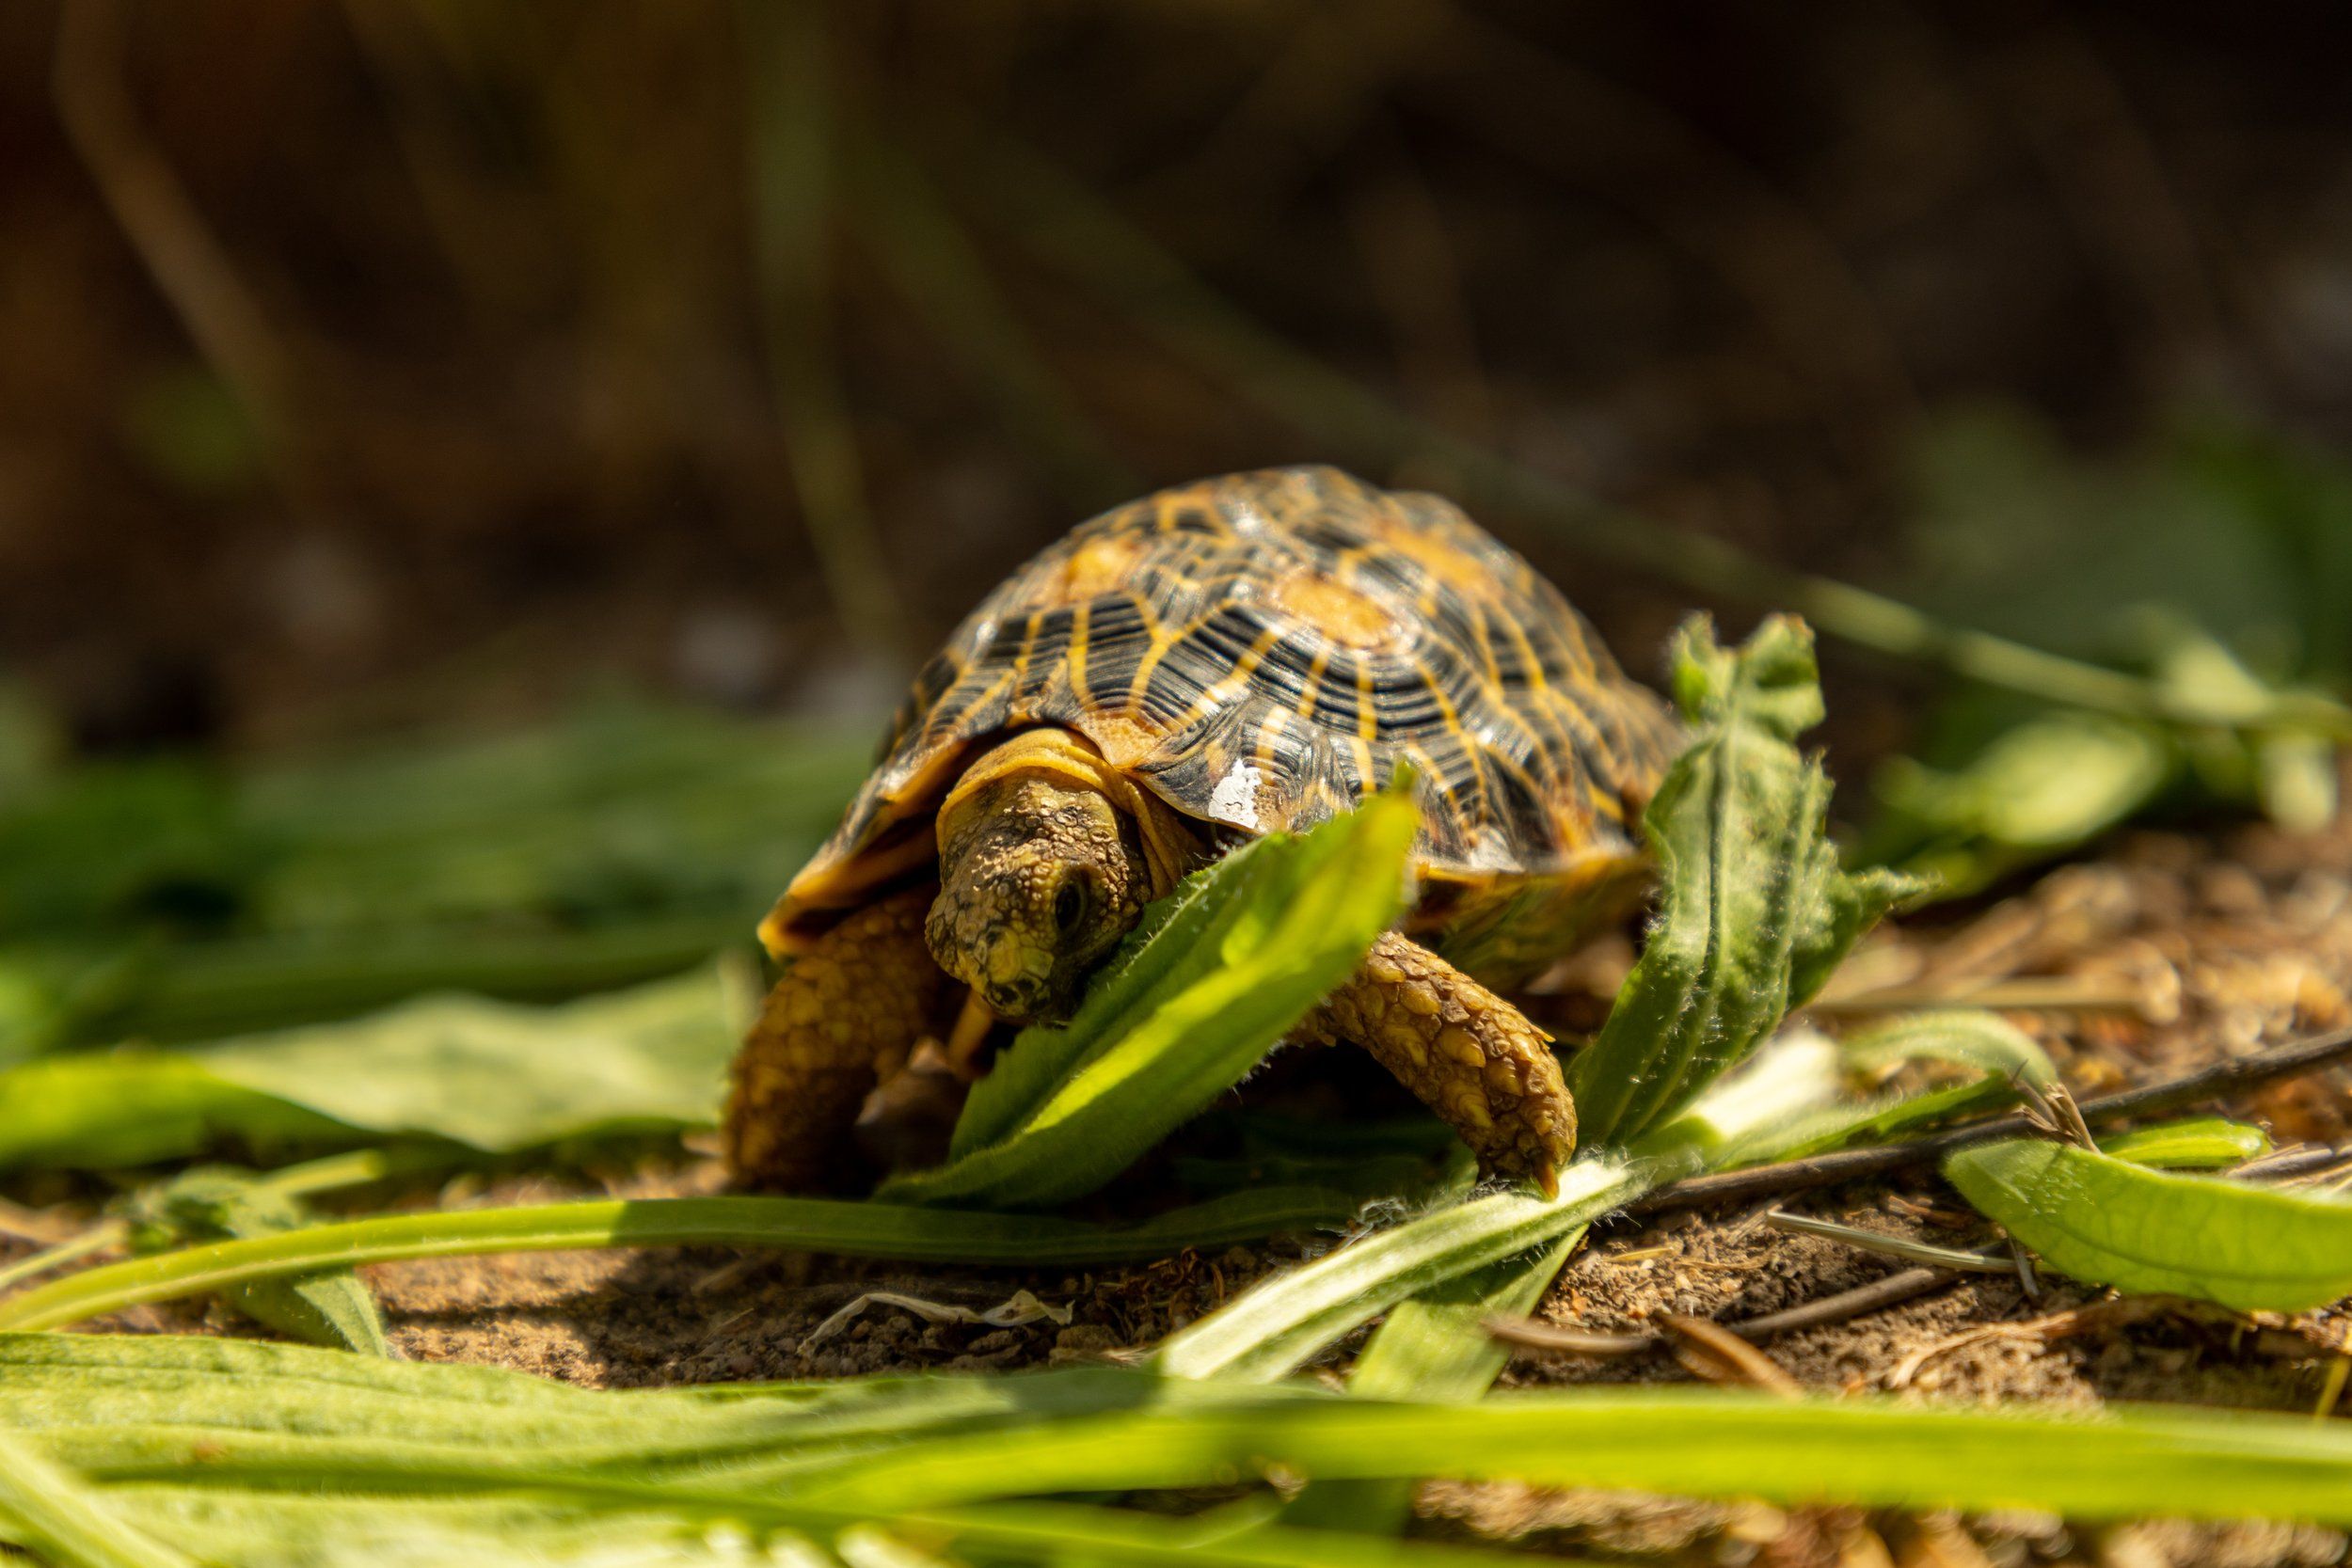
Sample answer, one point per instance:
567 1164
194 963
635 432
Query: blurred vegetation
395 357
2216 563
171 899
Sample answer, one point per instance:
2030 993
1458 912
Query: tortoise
1220 660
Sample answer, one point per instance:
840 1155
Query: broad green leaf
493 1076
210 1203
167 901
2043 787
128 845
2109 1221
2213 1143
608 1527
1755 910
800 1225
1193 1003
133 1412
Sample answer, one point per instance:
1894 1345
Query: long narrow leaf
45 1510
2111 1222
1434 1348
800 1225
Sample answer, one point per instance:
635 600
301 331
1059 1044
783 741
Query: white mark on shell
1235 797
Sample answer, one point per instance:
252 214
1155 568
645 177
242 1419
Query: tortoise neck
1059 759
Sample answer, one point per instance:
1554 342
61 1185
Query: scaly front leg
1471 1056
848 1012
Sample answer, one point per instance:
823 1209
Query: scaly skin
848 1013
1470 1055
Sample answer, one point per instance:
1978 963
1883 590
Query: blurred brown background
398 358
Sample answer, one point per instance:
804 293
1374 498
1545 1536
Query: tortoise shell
1261 650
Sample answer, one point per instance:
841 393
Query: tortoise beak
1024 1000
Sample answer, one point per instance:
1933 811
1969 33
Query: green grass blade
48 1511
1278 1326
1434 1348
2124 1461
2110 1221
1071 1533
1243 952
802 1225
595 1526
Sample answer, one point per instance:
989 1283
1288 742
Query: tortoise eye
1069 906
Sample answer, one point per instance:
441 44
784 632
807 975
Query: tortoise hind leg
848 1012
1468 1054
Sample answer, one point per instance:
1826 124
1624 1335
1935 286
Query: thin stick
1821 1170
1888 1291
1890 1247
2283 1165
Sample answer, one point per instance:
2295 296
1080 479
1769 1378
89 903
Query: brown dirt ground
2187 947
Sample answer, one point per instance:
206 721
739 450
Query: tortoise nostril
1015 1001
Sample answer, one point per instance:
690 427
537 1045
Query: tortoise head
1041 871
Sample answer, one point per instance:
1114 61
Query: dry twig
1891 1291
